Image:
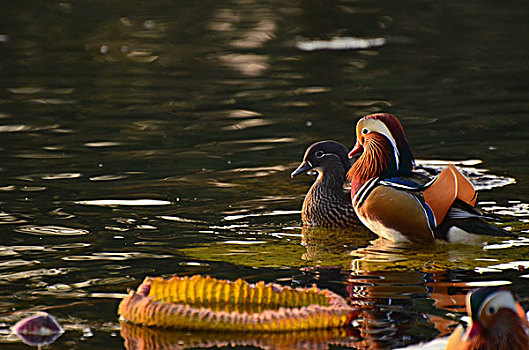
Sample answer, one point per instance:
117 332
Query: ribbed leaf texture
202 303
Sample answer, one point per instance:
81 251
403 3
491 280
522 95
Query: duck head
486 306
383 149
325 157
497 318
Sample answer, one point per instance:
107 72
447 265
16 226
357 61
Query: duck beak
474 330
303 167
357 149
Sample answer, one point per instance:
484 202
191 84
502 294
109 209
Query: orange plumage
389 201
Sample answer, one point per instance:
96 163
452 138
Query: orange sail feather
449 185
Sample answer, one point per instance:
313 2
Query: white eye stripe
499 300
320 154
381 128
396 151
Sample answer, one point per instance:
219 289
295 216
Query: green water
157 138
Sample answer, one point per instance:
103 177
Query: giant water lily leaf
201 303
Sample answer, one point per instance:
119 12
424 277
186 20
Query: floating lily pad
202 303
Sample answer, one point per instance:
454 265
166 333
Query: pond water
157 138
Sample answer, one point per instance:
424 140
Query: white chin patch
459 236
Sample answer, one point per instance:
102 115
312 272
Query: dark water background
201 109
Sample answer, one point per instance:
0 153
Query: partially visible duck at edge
498 322
398 209
327 203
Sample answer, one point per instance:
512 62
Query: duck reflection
407 292
409 306
330 244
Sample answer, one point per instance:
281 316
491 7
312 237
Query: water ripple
179 219
17 249
511 265
259 171
123 202
107 177
25 90
487 283
51 230
34 273
60 176
115 256
17 262
517 209
32 155
243 242
71 245
248 123
6 218
24 128
480 178
520 241
272 213
345 43
60 287
52 101
102 144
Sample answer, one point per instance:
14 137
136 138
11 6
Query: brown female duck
327 203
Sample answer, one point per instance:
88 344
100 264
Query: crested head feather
406 159
386 152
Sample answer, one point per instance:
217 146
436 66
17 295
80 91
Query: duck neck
508 333
377 160
332 180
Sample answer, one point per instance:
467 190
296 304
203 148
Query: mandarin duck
327 203
498 322
400 209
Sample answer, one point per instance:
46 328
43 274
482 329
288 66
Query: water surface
157 138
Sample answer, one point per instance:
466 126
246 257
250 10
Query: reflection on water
151 338
156 138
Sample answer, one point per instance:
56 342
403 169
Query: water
156 138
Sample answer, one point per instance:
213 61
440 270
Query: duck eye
319 154
492 310
365 131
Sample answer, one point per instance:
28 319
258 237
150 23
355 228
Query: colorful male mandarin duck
327 203
498 322
395 208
